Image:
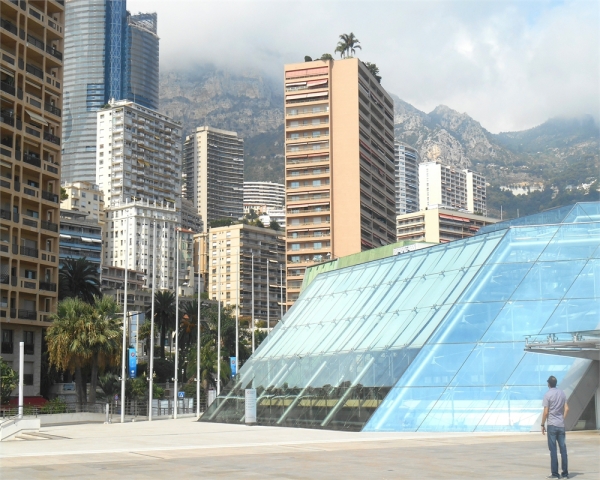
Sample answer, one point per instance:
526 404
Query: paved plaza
185 448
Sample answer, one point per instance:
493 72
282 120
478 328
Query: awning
314 83
297 84
62 235
96 240
86 239
37 117
317 94
296 97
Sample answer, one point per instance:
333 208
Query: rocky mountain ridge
252 105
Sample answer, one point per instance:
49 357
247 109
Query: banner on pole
132 363
233 365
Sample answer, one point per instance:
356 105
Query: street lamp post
198 339
219 322
252 297
151 363
124 352
268 298
176 323
280 292
237 313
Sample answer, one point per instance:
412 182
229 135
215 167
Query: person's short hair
552 381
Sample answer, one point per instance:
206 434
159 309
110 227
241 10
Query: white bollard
107 407
21 368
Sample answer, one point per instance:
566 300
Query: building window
317 245
29 343
7 341
295 246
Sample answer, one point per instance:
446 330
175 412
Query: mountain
561 152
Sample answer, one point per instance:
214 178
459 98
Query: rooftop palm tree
164 315
347 45
78 277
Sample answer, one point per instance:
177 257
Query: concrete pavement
187 449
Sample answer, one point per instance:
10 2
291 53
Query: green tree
374 70
274 225
164 316
8 377
307 58
63 194
67 349
104 339
84 336
347 45
326 56
78 278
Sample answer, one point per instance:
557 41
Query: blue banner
233 365
132 362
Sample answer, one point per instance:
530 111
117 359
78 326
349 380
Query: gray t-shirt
555 400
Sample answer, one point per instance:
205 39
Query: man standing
555 411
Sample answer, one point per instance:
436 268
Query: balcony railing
29 222
11 27
51 138
54 52
48 286
38 72
53 197
52 109
4 278
35 41
27 314
32 159
5 214
28 251
46 225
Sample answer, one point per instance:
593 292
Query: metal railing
53 197
52 109
6 25
48 286
46 225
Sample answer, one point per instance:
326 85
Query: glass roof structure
431 340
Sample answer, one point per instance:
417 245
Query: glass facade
108 54
431 340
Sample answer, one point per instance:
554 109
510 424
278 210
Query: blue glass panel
436 365
548 280
459 409
587 284
467 322
574 315
515 409
525 244
403 409
572 242
584 212
496 282
516 320
534 369
489 364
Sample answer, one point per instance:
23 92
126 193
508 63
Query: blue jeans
557 434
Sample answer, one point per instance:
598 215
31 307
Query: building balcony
48 286
52 197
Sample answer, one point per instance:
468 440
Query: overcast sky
509 64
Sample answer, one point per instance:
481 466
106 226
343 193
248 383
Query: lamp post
176 323
151 363
252 298
124 346
268 298
281 292
198 337
237 313
219 322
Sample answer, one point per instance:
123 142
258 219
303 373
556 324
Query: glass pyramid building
431 340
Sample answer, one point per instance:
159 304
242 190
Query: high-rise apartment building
109 54
445 186
190 219
407 178
80 237
340 167
213 173
138 156
31 35
263 196
129 242
230 251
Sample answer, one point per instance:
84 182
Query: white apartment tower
445 186
138 155
213 173
263 196
407 178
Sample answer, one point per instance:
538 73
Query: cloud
510 64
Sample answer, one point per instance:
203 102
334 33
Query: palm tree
78 278
103 338
374 69
347 45
189 323
66 348
164 315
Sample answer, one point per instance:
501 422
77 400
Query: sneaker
564 475
553 476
